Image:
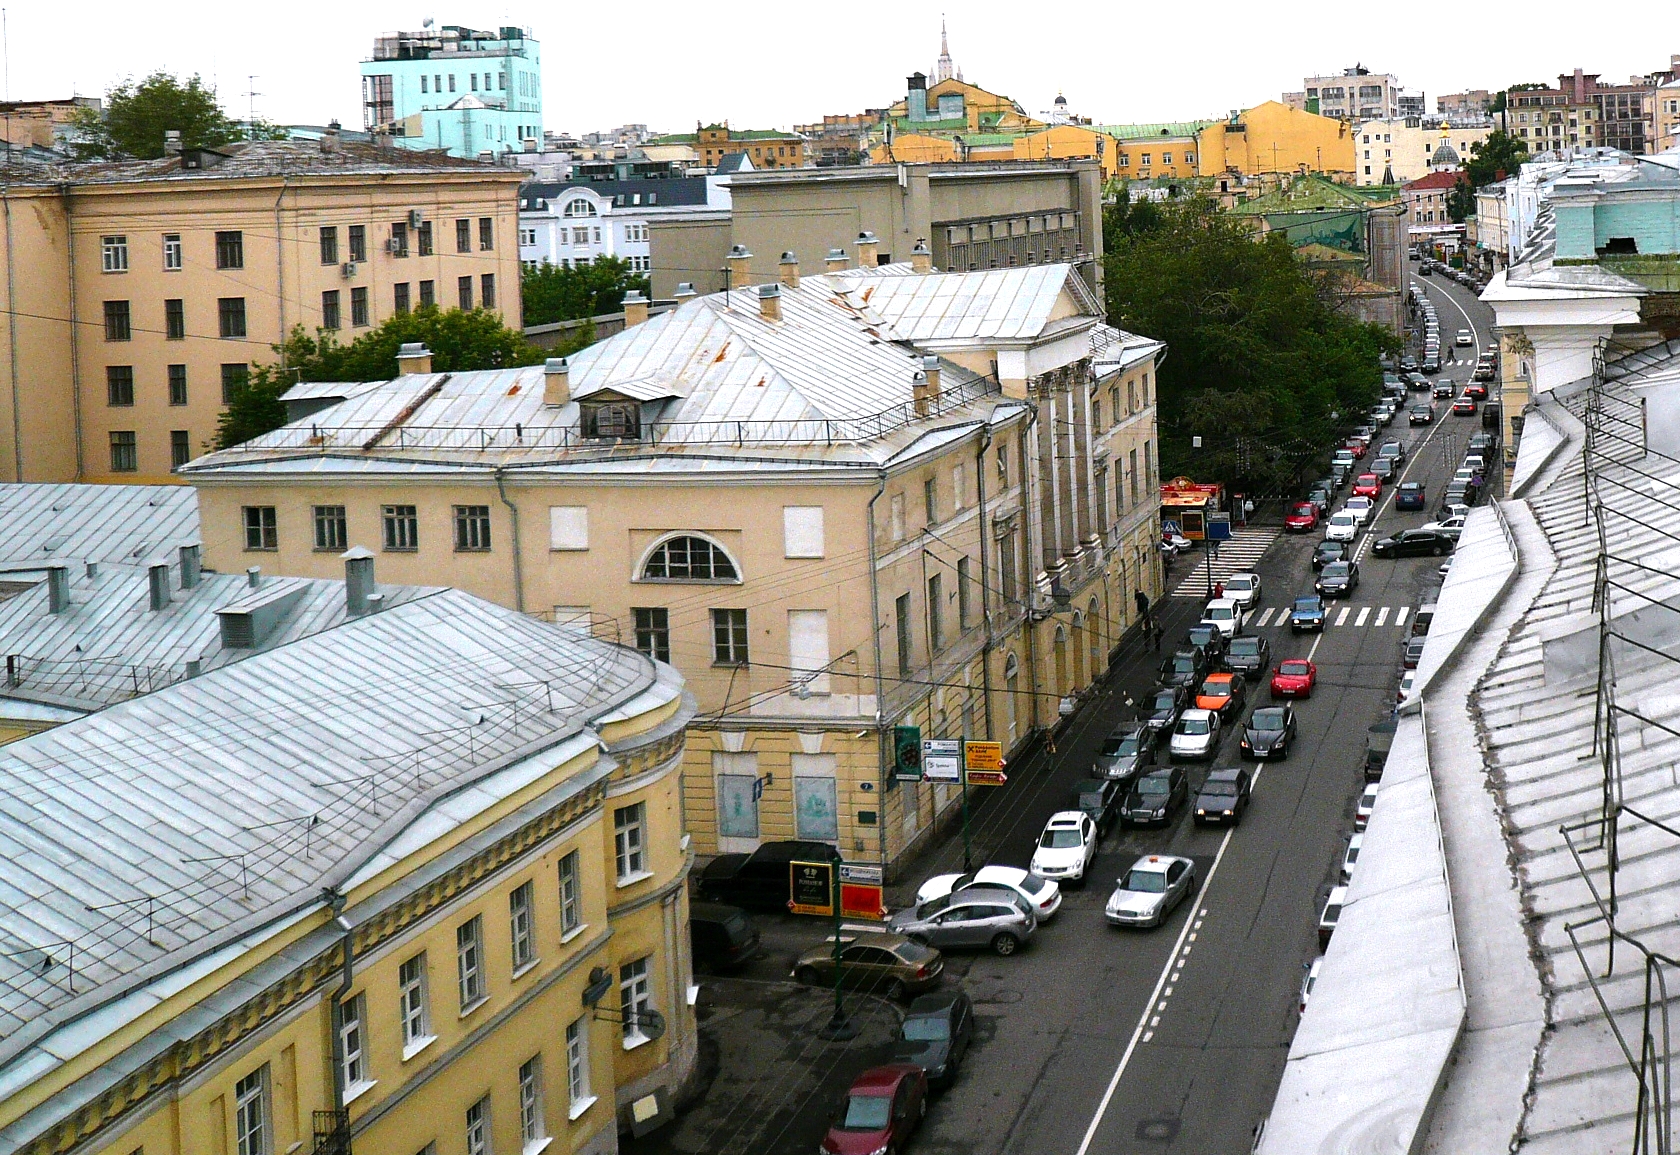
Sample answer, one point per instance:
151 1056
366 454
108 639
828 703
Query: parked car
1043 895
1249 655
1343 457
1331 915
1422 414
1338 579
1223 694
881 1111
1367 485
1405 689
1147 893
1320 496
1350 857
1223 797
1367 805
1195 736
1128 751
1422 619
1294 678
1410 496
1310 981
1154 797
761 880
1165 708
1244 589
1414 543
1225 614
1306 614
875 961
979 917
1211 641
1343 526
1393 449
1302 518
722 937
1268 732
1465 406
1101 798
1413 654
1384 469
1066 847
1328 551
1185 668
935 1035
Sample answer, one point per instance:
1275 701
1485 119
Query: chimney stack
685 291
557 382
788 269
358 580
413 357
921 258
635 308
739 259
253 576
92 570
835 262
171 142
58 588
157 576
770 302
930 370
869 250
191 565
919 393
330 139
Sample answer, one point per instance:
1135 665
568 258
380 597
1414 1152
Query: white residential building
580 221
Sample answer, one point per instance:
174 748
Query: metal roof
106 523
1009 305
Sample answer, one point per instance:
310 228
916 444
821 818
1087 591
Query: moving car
1164 709
1320 497
1393 449
760 880
1414 543
1223 797
1384 468
1338 579
1367 804
1302 518
1465 406
1367 485
1449 527
1306 614
1362 508
1185 668
1226 614
1421 414
1147 893
1477 390
1350 857
1331 915
1044 896
1416 380
1328 551
1249 655
980 917
1065 847
1410 495
721 936
935 1035
1222 693
1195 736
1154 797
1127 752
873 960
1294 678
1465 337
1101 799
1442 390
1244 589
1268 732
1343 526
881 1111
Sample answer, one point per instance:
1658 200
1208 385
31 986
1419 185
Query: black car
1329 551
1100 798
1321 496
1269 731
1127 752
1223 796
1250 655
1168 703
1307 614
722 936
1185 668
1211 641
1408 363
1410 495
1442 390
1422 414
1155 798
761 880
1416 380
1338 579
1414 543
935 1034
1338 475
1384 467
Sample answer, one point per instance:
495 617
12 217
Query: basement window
1619 246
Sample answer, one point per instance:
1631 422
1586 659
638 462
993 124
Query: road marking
1313 649
1400 615
1265 617
1342 617
1148 1035
1382 615
1178 950
1364 612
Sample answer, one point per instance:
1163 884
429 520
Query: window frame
730 637
232 321
660 555
472 528
471 982
630 857
174 253
332 520
352 1042
652 631
177 396
522 920
414 1005
578 1095
119 321
406 518
478 1133
533 1123
359 313
230 249
486 234
113 253
125 451
356 241
329 244
332 312
569 874
262 528
119 386
635 998
174 319
251 1114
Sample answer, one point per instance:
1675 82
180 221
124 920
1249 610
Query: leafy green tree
1128 218
557 293
137 115
1461 201
1495 158
255 407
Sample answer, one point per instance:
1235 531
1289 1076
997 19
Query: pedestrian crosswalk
1242 552
1277 617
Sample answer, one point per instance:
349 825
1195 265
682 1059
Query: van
1421 620
722 936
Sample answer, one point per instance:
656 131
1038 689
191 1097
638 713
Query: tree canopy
1461 200
1260 364
559 293
1495 158
137 114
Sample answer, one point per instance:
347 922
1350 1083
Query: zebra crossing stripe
1400 616
1265 617
1364 612
1342 617
1382 616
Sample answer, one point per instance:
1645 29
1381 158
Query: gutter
11 327
518 564
280 266
880 687
990 643
335 905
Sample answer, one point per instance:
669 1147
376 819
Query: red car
1302 519
1367 485
1357 446
1294 678
1465 405
1477 390
881 1110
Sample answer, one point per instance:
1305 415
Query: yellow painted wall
1277 138
1133 159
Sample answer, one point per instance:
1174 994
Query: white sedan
1224 615
1451 526
1362 508
1196 735
1342 526
1244 589
1067 847
1044 896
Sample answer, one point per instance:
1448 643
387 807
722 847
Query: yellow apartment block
1274 138
1126 151
742 486
416 882
138 293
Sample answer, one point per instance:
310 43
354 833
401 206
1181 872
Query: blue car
1308 614
1410 495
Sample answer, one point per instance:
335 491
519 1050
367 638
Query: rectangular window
413 1003
234 376
180 448
1134 474
119 384
1003 466
174 319
399 296
1006 567
452 82
250 1113
577 1066
117 327
125 454
230 250
428 294
472 528
358 242
261 529
399 239
571 902
177 384
359 308
402 527
630 840
463 292
352 1041
331 532
487 290
653 632
729 637
965 594
463 235
520 916
469 962
906 640
172 254
532 1125
930 499
329 244
634 998
113 252
486 234
231 311
329 309
936 610
423 238
478 1115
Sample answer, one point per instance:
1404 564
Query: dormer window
615 419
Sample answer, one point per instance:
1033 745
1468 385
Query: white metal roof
42 522
994 305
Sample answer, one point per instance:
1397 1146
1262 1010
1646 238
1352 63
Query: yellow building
1274 138
767 148
1404 149
175 276
1126 151
742 486
417 882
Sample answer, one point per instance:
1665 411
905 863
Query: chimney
58 588
413 357
739 259
191 565
788 269
635 308
171 142
195 666
253 576
835 262
915 103
358 580
919 393
557 382
868 250
685 291
930 370
921 259
770 302
329 138
92 570
157 576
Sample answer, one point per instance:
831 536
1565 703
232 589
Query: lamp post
839 1028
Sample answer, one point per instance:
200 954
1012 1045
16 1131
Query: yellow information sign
983 755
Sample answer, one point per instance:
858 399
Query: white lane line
1342 617
1382 616
1138 1034
1265 617
1313 649
1364 612
1400 615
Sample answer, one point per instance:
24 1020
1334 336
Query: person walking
1157 633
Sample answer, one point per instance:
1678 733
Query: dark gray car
936 1034
977 917
1249 655
1125 753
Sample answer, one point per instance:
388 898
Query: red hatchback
1302 519
1367 485
880 1112
1294 678
1477 390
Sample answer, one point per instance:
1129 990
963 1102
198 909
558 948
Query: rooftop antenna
6 51
251 95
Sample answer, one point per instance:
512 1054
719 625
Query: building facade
765 147
1274 138
1404 150
1354 94
1472 103
465 91
577 223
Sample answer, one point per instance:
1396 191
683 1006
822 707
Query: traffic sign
907 753
987 778
942 759
1219 527
1169 525
860 891
811 885
983 755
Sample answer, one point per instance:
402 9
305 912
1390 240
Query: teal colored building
466 91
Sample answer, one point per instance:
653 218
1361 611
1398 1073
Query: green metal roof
1161 130
1312 193
980 138
905 124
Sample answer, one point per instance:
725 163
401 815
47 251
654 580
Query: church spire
943 69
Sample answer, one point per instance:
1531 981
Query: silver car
974 917
1149 891
1196 735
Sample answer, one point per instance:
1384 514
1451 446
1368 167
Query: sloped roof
1433 180
270 158
104 523
1165 130
990 305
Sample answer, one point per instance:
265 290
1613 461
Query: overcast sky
777 64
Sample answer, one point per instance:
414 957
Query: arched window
689 559
580 207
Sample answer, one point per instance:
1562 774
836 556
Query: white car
1044 896
1406 681
1225 615
1176 543
1451 526
1149 891
1195 736
1244 589
1342 526
1367 804
1351 857
1465 337
1066 848
1362 508
1308 982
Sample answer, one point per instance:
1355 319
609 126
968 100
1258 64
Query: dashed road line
1400 615
1265 617
1343 616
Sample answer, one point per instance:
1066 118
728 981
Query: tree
1495 158
138 114
558 293
254 408
1461 201
1500 101
1128 218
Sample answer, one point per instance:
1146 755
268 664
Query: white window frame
470 978
478 1118
522 937
579 1098
635 997
174 257
414 1005
630 843
570 876
352 1043
251 1114
533 1122
113 253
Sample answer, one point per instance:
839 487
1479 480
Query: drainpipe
335 906
280 266
985 578
75 343
880 686
11 326
518 567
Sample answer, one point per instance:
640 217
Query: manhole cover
1162 1130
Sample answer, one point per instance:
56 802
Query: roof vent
868 249
921 258
92 570
195 666
191 565
250 621
413 357
253 576
375 603
739 261
835 261
770 302
358 580
685 291
635 308
157 577
557 382
58 588
788 269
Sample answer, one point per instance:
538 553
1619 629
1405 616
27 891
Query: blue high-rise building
459 89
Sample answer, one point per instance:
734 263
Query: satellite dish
427 22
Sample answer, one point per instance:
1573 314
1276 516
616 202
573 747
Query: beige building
742 486
1404 149
140 293
416 882
1353 94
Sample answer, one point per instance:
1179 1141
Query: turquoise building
459 89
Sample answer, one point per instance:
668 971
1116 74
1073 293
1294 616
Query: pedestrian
1157 633
1218 589
1248 510
1142 600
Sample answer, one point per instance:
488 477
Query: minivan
1421 620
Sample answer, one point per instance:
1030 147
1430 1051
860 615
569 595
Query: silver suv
976 916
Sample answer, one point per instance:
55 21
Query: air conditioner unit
348 269
413 218
391 245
